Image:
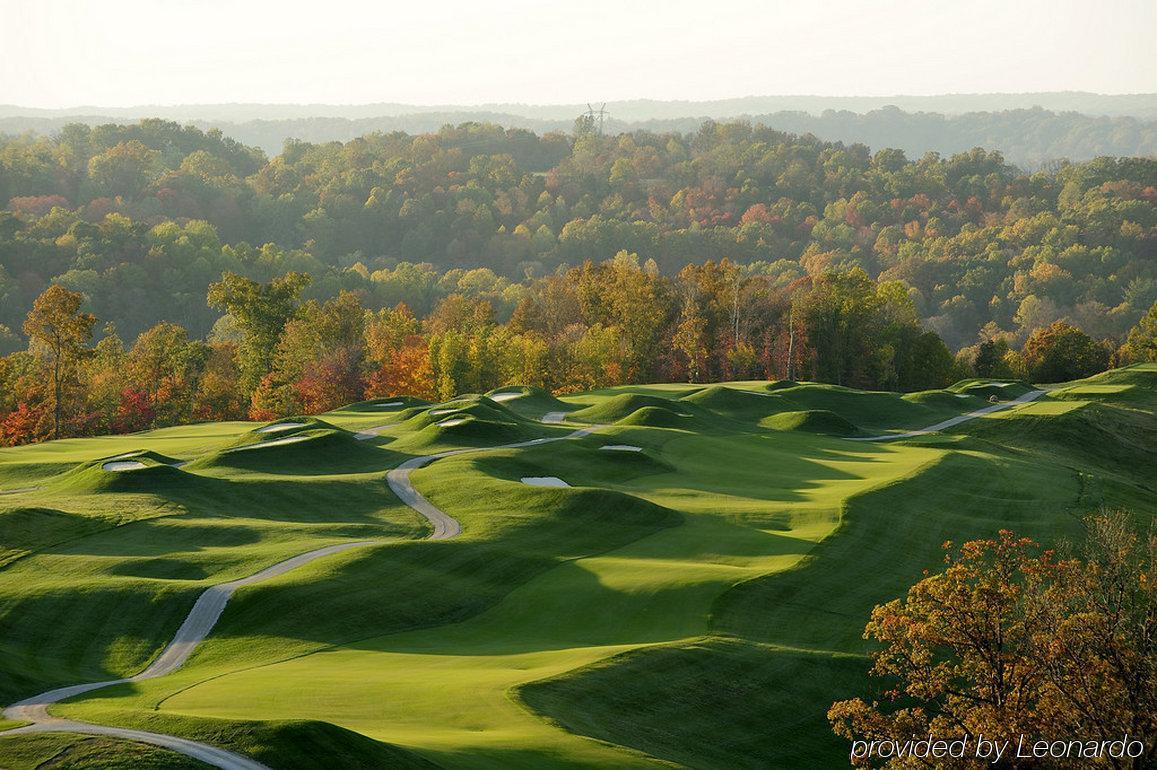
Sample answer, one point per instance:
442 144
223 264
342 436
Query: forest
154 274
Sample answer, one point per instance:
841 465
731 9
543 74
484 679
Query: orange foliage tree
1010 640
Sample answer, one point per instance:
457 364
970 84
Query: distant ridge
1134 105
1030 138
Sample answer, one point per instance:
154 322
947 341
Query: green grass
698 602
812 421
65 752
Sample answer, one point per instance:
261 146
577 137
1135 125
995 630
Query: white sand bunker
506 396
436 412
274 442
278 427
388 405
123 465
621 448
452 422
544 481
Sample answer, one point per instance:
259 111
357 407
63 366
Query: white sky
115 53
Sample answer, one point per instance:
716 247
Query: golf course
642 576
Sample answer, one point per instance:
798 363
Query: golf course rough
650 613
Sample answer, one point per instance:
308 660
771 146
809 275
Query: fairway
694 595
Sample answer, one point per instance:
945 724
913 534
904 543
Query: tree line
141 218
274 353
1078 130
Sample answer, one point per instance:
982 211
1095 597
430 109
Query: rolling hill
690 589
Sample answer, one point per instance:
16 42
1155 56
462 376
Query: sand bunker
621 448
278 427
389 405
544 481
506 396
436 412
451 423
123 465
274 442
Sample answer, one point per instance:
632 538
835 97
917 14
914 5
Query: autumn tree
166 365
633 298
397 355
690 340
1141 344
58 332
1062 352
261 311
1011 639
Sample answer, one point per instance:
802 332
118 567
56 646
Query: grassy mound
1004 390
71 752
1096 434
812 421
656 417
679 702
580 463
623 405
878 410
24 530
385 405
526 399
469 421
781 385
466 428
736 404
310 450
157 473
477 407
279 429
1135 386
943 399
297 744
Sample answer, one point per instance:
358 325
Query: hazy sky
58 53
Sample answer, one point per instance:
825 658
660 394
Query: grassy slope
751 503
65 752
593 594
783 647
125 566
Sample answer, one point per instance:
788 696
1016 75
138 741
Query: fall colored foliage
1013 639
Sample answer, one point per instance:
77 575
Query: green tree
126 169
166 364
990 359
841 317
261 311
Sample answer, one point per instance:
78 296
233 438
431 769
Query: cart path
1032 395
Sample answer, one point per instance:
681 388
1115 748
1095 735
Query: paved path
207 610
1032 395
